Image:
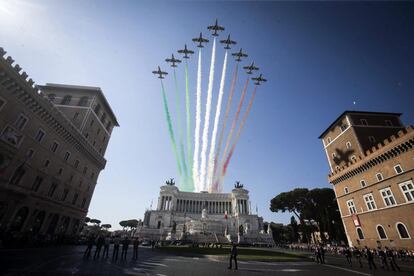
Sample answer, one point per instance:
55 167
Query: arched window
19 219
360 233
402 231
66 100
83 101
381 232
159 224
97 109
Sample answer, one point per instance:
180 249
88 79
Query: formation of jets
259 79
251 68
228 42
239 55
200 40
216 28
173 61
185 51
159 73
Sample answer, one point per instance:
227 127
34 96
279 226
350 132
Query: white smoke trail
207 120
211 160
196 176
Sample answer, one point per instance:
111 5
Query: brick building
371 158
52 144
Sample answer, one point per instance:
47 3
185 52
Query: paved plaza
69 261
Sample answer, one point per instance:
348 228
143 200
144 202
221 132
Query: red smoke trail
243 122
226 116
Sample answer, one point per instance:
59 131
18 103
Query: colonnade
242 207
196 206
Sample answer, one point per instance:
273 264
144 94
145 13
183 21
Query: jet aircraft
228 42
239 55
200 40
215 28
251 68
160 73
185 51
259 79
173 60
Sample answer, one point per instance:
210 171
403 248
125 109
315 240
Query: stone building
371 158
52 144
204 217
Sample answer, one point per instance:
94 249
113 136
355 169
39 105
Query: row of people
104 242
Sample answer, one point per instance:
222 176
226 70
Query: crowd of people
385 257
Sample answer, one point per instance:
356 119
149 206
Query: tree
124 224
87 219
95 221
132 223
106 226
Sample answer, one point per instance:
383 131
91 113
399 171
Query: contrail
180 132
243 122
233 125
211 161
196 176
207 119
170 128
189 150
226 116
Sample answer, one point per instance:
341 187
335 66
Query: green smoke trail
189 149
180 134
170 128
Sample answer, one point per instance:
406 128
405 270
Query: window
360 233
353 158
364 122
75 116
381 232
21 122
379 177
346 190
60 171
351 206
83 101
65 194
71 177
39 135
75 198
103 139
363 183
103 118
83 202
348 145
370 202
47 162
371 139
85 169
52 189
36 183
29 153
343 127
66 100
388 123
54 147
94 143
92 122
328 140
388 197
333 155
92 175
402 231
17 175
98 131
76 164
51 97
67 155
86 135
108 126
407 189
97 108
398 169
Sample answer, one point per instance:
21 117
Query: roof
86 89
356 112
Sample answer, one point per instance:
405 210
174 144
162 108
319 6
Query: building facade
52 144
371 158
204 218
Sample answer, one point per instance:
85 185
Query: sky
319 58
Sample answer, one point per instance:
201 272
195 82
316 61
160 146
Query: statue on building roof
170 182
238 185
